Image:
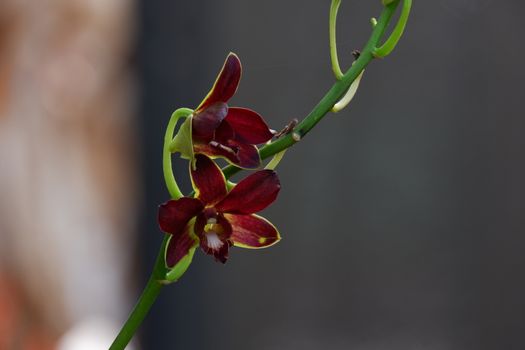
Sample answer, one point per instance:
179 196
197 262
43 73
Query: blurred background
402 216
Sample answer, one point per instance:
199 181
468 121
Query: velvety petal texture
246 156
222 132
217 219
252 231
179 246
226 84
248 126
205 122
240 154
252 194
175 214
208 180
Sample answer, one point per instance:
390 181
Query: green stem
331 97
334 8
169 178
146 300
393 39
154 285
158 275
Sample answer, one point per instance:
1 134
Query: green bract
183 142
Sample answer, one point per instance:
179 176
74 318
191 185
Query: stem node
296 136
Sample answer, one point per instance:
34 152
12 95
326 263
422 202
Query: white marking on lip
213 241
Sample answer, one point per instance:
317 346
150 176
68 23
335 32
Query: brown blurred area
20 327
67 168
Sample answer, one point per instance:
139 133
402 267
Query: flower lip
214 234
213 241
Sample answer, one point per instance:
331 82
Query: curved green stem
158 275
334 8
146 300
167 168
332 96
392 41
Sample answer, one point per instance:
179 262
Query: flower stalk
146 300
206 221
167 167
333 95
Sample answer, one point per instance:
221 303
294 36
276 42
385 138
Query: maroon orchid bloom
216 130
216 218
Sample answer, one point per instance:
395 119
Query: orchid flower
217 218
217 130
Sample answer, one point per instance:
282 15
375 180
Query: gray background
402 217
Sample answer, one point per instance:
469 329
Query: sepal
179 252
176 272
183 141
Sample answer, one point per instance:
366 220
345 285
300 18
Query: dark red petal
226 83
224 133
175 214
252 194
239 154
252 231
248 155
208 180
248 126
179 246
205 122
215 243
